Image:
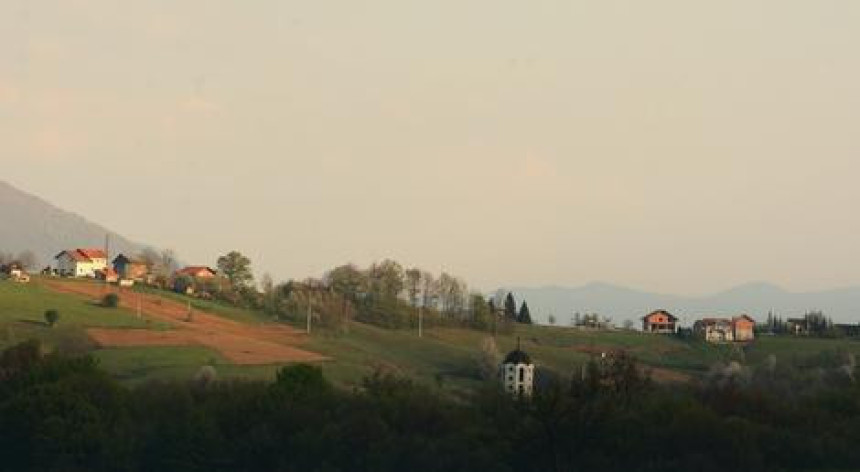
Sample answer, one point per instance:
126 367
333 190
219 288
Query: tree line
65 413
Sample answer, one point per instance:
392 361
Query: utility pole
308 329
420 321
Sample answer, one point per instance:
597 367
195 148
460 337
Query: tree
429 290
489 359
386 279
413 284
27 260
452 293
346 281
525 315
51 317
110 300
182 283
551 319
482 317
236 268
510 307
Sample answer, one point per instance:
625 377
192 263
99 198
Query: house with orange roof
660 322
81 262
197 272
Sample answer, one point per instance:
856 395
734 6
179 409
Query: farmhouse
197 272
130 268
718 330
660 321
81 262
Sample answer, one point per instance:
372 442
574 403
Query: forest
64 413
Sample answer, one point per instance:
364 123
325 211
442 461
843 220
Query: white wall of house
69 266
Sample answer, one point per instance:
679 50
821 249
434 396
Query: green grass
446 356
22 315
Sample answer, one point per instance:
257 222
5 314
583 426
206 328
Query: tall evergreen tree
510 307
525 315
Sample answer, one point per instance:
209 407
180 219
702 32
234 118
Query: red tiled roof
661 312
194 270
93 253
84 255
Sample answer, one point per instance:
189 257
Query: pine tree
525 316
510 307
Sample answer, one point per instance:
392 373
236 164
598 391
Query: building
721 330
197 272
744 328
108 275
797 326
81 262
130 268
517 373
660 322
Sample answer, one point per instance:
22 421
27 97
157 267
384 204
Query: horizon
681 153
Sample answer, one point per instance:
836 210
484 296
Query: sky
675 146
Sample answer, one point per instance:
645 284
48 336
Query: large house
81 262
130 268
660 321
716 330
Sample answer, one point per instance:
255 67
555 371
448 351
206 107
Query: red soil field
238 342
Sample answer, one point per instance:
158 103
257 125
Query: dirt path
238 342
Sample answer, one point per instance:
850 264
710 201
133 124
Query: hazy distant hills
620 303
28 222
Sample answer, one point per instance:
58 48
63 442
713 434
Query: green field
444 356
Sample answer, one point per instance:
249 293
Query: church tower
517 373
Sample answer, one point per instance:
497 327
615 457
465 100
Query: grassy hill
444 356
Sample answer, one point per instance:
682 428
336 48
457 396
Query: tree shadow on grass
33 323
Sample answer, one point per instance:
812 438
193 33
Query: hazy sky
681 146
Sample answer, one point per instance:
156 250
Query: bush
51 317
110 300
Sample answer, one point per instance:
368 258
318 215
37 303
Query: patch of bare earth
238 342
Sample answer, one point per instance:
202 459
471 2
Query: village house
197 272
81 262
659 322
130 268
108 275
718 330
15 272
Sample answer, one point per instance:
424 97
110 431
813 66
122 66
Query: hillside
621 303
444 356
30 223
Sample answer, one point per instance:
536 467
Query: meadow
446 357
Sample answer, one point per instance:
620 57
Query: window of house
522 373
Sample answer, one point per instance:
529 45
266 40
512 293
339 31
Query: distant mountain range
30 223
621 303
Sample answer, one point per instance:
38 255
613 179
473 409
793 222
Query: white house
81 262
517 373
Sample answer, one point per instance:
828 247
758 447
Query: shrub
110 300
51 317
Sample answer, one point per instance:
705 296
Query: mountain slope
30 223
621 303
